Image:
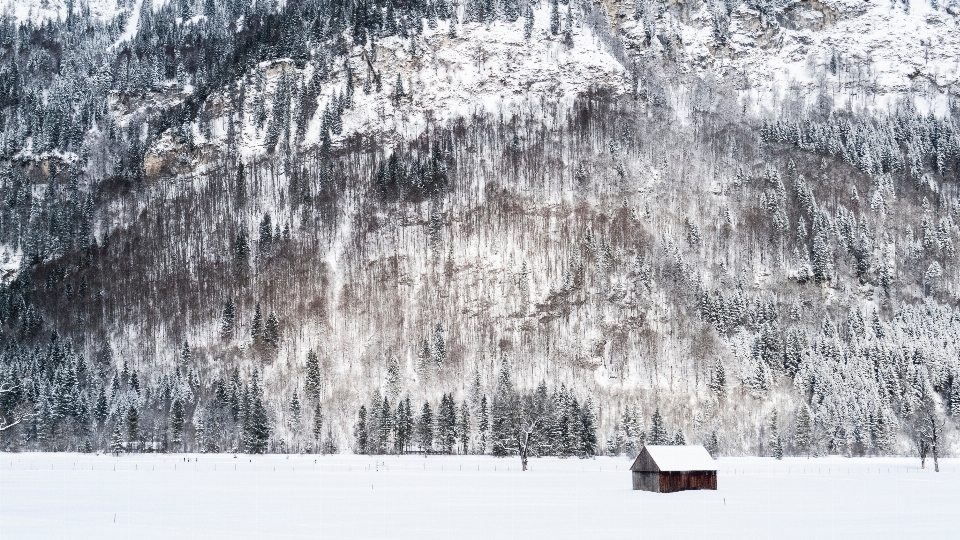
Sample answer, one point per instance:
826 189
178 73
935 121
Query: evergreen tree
360 430
528 20
554 17
116 441
587 431
296 413
658 432
271 331
313 382
317 423
384 426
132 420
393 377
101 409
256 425
266 235
955 397
241 251
227 319
403 426
135 382
177 421
186 356
256 326
483 426
776 443
804 436
439 348
718 379
678 438
425 431
446 424
821 259
240 184
505 405
463 428
713 444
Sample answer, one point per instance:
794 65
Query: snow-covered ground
164 496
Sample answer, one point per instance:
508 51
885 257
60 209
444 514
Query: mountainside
377 226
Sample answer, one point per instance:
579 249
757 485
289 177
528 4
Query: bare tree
927 427
520 423
932 431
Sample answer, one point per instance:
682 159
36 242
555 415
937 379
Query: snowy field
165 496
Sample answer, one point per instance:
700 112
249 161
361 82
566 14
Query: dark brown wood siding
680 481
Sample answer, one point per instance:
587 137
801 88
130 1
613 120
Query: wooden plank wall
680 481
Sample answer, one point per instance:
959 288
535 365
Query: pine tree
568 27
101 409
678 438
776 443
528 22
296 413
463 428
177 421
240 184
116 442
241 251
384 426
360 430
256 326
955 397
804 436
313 382
135 382
266 234
425 432
718 379
447 423
318 423
398 93
403 426
588 431
186 355
554 17
821 259
658 432
271 331
439 347
483 425
713 444
256 425
132 420
227 319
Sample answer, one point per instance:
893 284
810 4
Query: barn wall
679 481
644 462
646 481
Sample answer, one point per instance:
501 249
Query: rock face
852 47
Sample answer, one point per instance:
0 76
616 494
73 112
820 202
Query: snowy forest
512 227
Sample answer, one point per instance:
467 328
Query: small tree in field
116 442
927 430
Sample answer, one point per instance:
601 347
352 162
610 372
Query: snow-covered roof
678 458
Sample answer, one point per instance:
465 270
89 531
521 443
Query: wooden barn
666 469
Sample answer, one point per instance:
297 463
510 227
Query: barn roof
673 458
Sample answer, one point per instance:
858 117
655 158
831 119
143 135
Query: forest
203 249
